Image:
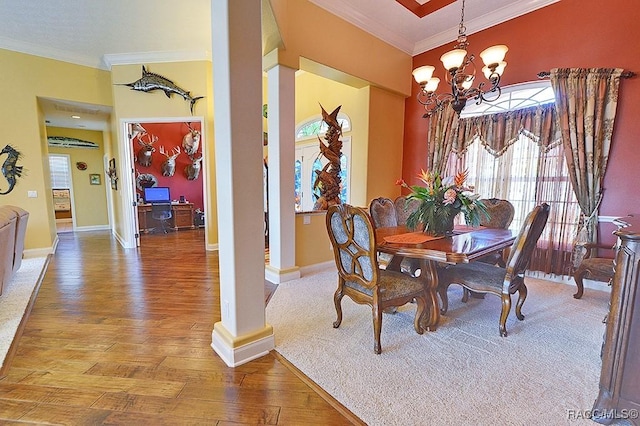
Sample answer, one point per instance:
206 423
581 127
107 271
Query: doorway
62 192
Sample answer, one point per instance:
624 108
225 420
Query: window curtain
518 155
497 132
586 102
443 125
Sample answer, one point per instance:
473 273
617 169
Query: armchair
352 237
593 268
484 278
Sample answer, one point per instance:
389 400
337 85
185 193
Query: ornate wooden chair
501 214
383 212
593 268
404 208
359 277
481 277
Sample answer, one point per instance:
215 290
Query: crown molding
496 17
47 52
109 60
374 28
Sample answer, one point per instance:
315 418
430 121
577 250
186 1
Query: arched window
516 96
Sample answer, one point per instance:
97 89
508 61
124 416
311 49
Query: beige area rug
14 300
544 372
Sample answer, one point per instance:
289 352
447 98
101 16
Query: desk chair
162 213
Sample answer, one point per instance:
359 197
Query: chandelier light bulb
453 59
494 54
499 70
423 74
432 85
467 82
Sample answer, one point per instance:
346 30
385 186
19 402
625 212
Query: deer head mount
144 154
191 141
193 170
169 165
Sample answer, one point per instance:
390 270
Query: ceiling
100 33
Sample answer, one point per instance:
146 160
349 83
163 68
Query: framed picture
94 179
113 174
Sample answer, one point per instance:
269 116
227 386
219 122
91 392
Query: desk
467 244
181 217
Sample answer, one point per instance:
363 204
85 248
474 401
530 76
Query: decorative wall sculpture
10 169
328 179
151 81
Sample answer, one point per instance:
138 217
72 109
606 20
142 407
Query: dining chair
501 214
162 213
404 208
353 240
383 212
593 268
484 278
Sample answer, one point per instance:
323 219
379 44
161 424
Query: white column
243 334
281 152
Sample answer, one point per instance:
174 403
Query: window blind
59 168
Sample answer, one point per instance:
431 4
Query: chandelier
461 72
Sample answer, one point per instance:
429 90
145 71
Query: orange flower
460 178
400 182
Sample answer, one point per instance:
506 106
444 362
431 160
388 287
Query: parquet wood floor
122 336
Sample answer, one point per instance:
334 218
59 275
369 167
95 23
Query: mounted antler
191 141
193 170
169 165
144 153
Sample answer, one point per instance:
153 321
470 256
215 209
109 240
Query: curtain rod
625 74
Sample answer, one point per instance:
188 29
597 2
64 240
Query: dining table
465 244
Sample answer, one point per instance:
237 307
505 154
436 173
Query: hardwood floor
123 337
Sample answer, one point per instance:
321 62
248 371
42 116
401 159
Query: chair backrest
525 242
501 213
354 245
404 208
161 210
383 212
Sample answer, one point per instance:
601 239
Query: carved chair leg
337 300
465 295
522 295
578 276
506 307
377 328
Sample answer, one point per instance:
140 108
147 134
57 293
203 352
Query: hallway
122 336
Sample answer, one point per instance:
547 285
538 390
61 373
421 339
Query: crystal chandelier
461 72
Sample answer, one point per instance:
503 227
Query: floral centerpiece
441 200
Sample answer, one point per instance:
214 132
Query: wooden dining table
465 245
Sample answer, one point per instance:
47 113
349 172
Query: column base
236 351
278 276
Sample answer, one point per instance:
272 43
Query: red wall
170 135
572 34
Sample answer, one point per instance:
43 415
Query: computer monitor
157 194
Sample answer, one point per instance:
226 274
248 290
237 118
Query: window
315 126
513 97
60 173
525 175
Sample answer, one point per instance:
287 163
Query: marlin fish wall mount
151 81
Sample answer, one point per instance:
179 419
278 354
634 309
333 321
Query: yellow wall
312 241
131 105
311 32
24 79
90 201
